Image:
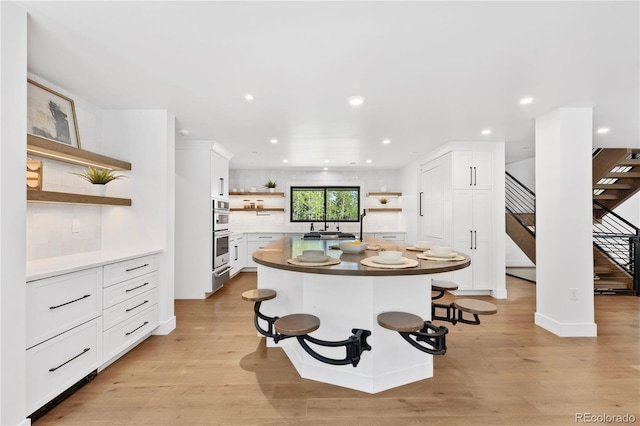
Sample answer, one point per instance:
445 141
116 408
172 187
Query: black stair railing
520 203
619 240
613 235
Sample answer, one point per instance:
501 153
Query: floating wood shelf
385 209
58 151
384 194
256 194
68 198
266 209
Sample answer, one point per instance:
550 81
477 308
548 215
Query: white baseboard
566 329
165 327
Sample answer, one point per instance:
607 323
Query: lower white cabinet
256 242
78 321
237 253
57 364
392 237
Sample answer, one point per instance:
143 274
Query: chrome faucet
311 230
338 226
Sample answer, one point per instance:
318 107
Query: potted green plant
99 178
271 185
384 200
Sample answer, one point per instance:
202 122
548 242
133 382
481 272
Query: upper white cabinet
219 176
472 169
462 205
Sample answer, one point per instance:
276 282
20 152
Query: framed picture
51 115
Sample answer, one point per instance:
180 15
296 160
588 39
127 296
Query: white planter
272 190
101 189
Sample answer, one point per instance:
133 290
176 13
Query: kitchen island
346 296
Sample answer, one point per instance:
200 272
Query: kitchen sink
328 235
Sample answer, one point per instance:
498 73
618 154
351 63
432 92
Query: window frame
325 189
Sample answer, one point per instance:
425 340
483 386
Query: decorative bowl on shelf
353 246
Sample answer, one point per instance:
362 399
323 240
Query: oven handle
222 233
219 274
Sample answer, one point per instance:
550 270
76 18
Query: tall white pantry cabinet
202 174
462 206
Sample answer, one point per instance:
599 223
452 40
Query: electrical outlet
573 294
75 226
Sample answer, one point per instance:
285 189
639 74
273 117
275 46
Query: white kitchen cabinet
219 176
129 304
472 169
57 364
238 253
459 201
259 241
472 234
199 170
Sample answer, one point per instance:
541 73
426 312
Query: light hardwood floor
214 370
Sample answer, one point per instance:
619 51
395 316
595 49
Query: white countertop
45 268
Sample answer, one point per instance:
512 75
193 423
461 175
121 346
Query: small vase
101 189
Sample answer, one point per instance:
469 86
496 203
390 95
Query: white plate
446 256
378 259
319 259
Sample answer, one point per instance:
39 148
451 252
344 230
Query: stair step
623 175
612 186
610 284
629 162
605 197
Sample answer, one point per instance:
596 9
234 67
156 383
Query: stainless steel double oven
220 262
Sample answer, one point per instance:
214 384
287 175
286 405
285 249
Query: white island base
344 302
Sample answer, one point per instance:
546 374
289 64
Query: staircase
616 242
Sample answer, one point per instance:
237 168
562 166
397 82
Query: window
325 203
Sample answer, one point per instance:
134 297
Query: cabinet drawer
121 271
55 365
268 238
124 291
121 336
129 308
395 237
59 303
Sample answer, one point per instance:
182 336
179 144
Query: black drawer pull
85 350
137 306
137 328
131 289
79 298
137 267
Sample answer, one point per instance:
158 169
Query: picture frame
51 115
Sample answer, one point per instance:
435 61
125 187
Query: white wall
368 181
49 225
13 124
410 187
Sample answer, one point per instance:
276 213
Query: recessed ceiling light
273 140
602 130
356 100
386 141
486 132
327 161
248 97
285 161
368 161
526 101
325 168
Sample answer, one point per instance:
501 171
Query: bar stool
300 325
258 296
442 286
410 325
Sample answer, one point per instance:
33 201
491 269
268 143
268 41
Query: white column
13 206
564 249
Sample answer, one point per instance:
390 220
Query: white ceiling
430 72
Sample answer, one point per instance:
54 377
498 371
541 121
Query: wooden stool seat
477 307
441 285
297 324
400 321
259 295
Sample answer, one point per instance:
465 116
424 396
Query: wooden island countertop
277 254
